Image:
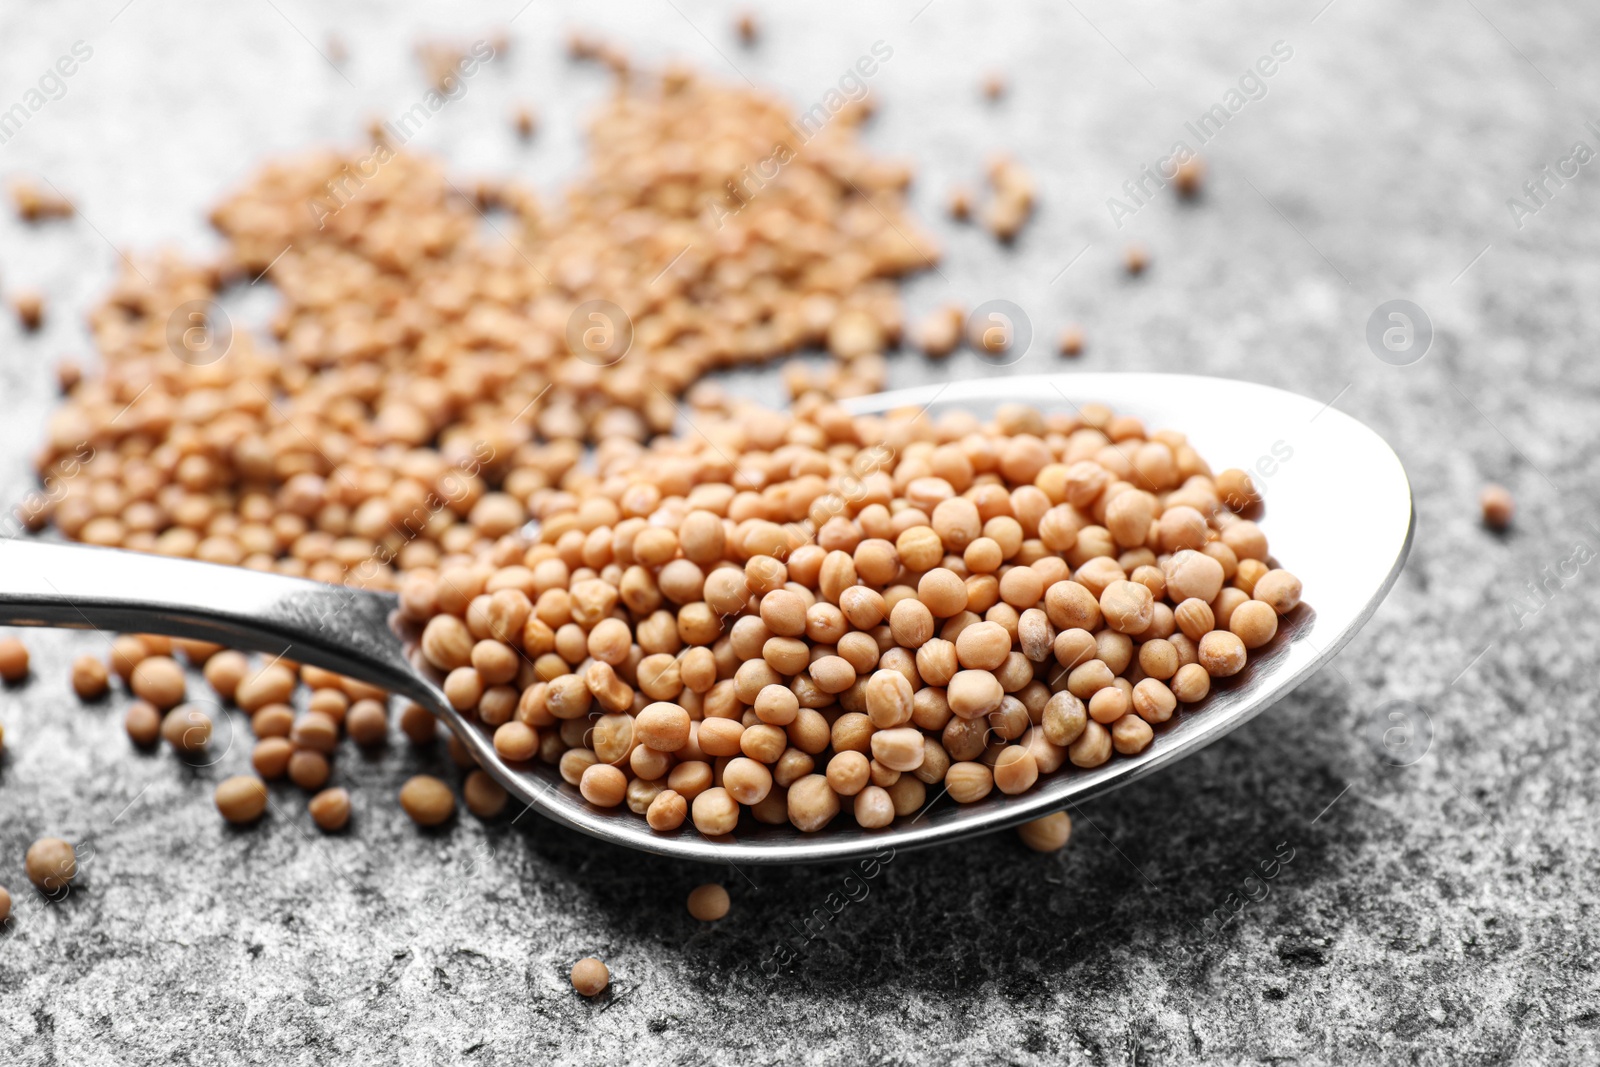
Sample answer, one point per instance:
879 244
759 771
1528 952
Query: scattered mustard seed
590 977
1498 507
242 798
90 678
427 800
708 902
51 863
13 660
330 809
1189 177
1048 834
29 308
143 723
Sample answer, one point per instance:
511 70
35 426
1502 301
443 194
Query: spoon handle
83 587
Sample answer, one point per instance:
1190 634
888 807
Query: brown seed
13 660
5 904
662 726
51 863
484 796
708 902
812 803
427 800
90 678
1048 834
1189 177
29 307
1498 507
1135 259
127 651
590 977
309 770
225 670
143 724
330 809
187 728
159 680
1071 341
367 723
271 757
241 799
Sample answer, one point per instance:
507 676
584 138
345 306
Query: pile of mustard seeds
801 614
441 351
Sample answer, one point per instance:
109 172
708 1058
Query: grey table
1440 911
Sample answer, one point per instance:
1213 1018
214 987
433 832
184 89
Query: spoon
1338 514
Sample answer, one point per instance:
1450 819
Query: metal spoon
1338 514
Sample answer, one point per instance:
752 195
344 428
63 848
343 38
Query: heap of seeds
783 612
800 613
427 373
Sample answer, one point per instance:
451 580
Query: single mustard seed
143 723
1048 834
1498 507
708 902
590 977
242 798
90 678
330 809
484 796
13 660
427 800
51 863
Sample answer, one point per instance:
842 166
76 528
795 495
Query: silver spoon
1338 514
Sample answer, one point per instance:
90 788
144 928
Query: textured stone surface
1443 912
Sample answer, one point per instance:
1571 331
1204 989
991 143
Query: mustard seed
13 660
1279 589
484 796
143 724
1254 622
1049 834
667 811
187 728
127 650
224 671
1191 683
812 803
51 863
1498 507
1070 342
271 756
241 799
367 723
330 809
309 770
968 782
1189 177
90 678
708 902
429 801
590 977
5 904
1222 654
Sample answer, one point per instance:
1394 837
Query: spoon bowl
1338 513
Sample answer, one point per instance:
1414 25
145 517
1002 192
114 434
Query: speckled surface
1443 912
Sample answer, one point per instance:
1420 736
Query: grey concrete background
1442 912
